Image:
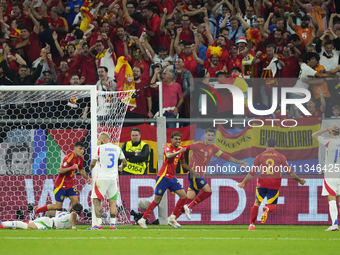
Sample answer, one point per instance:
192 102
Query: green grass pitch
190 239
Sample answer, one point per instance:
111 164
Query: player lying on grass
203 151
62 220
271 164
64 183
331 184
166 179
106 179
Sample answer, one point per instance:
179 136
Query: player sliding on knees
172 154
331 184
202 153
271 164
62 220
64 183
106 179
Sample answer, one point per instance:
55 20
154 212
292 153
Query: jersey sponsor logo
202 182
65 164
65 221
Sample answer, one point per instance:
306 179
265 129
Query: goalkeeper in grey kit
62 220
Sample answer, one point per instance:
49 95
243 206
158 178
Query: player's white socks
99 222
113 221
333 211
14 224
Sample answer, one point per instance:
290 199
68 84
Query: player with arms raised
331 183
203 151
64 183
271 164
172 154
106 179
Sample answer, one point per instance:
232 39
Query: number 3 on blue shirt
112 159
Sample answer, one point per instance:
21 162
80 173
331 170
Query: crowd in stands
43 42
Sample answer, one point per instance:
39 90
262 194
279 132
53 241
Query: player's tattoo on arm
97 207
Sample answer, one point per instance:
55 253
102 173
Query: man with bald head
106 178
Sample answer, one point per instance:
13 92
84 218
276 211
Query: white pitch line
172 238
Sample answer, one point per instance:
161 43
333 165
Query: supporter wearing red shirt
162 4
236 59
186 33
143 100
167 27
30 43
58 23
16 14
276 40
118 42
153 24
62 74
221 42
104 28
189 63
292 67
86 64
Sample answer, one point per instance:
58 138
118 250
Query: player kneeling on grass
62 220
331 184
271 165
203 151
64 183
106 179
172 154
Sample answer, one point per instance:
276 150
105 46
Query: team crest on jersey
159 191
65 164
168 149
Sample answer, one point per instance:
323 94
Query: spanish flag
87 18
124 77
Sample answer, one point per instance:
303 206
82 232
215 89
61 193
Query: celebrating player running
271 164
166 179
202 153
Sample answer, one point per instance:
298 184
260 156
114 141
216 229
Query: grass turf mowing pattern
192 239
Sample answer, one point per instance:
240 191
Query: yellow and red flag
124 77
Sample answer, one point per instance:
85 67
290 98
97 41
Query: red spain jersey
271 164
66 181
168 168
202 154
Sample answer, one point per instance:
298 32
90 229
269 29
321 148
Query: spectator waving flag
86 24
124 77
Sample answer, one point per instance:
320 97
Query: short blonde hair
105 134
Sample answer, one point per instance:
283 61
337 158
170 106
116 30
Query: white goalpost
39 125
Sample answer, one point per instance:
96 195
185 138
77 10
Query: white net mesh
37 130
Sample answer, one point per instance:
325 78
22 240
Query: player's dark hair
135 129
74 74
77 208
309 55
168 21
138 17
105 68
209 130
79 144
220 31
148 7
328 42
44 23
237 69
176 133
25 28
271 143
78 33
271 46
294 38
19 5
140 68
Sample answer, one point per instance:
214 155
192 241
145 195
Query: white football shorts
44 223
105 187
331 186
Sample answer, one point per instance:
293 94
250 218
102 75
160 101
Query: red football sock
149 210
42 209
179 206
188 201
271 207
200 198
253 214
